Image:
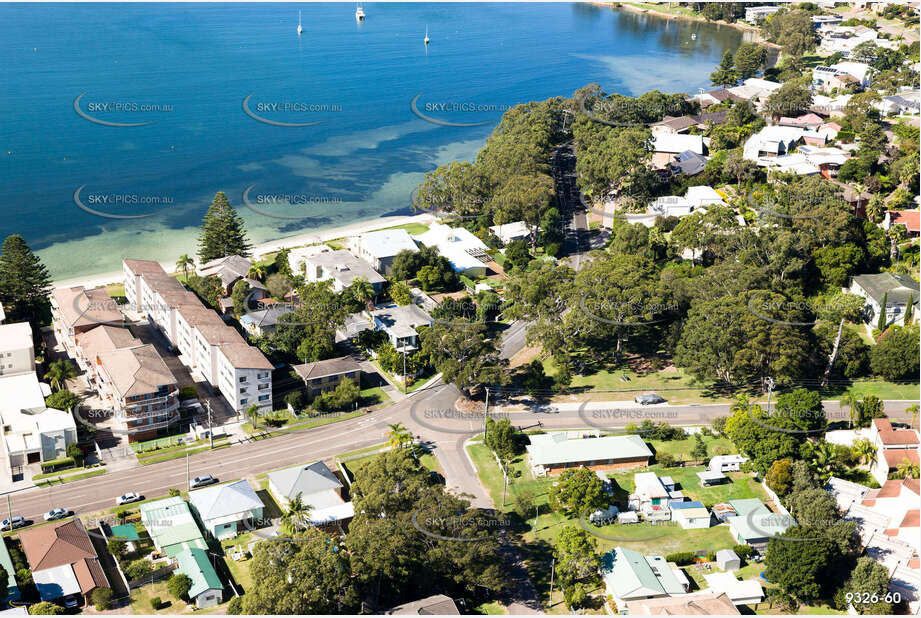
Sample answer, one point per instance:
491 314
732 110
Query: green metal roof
627 573
126 531
174 550
195 563
754 521
170 522
12 590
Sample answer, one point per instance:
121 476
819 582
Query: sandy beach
261 249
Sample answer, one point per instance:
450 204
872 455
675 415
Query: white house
317 486
17 350
630 576
400 324
896 288
726 463
772 141
690 514
466 253
740 592
221 508
507 232
342 268
380 248
757 14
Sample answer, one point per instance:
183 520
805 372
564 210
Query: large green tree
464 355
222 231
748 59
578 491
24 281
725 74
895 356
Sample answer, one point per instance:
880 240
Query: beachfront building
757 14
630 576
63 561
507 232
326 375
17 349
342 269
317 486
94 342
380 248
75 310
551 453
466 253
206 344
222 509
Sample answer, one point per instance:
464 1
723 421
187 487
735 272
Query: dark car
647 399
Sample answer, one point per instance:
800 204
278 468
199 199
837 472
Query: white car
202 481
17 522
128 498
54 514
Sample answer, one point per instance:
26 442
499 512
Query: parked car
648 399
201 481
71 602
55 514
10 524
128 498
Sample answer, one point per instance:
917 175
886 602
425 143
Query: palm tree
183 264
852 402
253 413
907 470
257 272
912 412
59 372
866 451
398 436
295 516
362 292
823 459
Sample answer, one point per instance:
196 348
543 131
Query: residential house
683 124
207 589
140 388
757 14
728 560
263 322
551 453
297 257
825 79
911 219
466 253
630 576
171 526
903 104
222 508
12 588
810 121
435 605
740 592
666 146
231 269
715 97
380 248
756 90
893 446
689 514
17 349
326 375
896 288
723 512
652 498
702 603
754 524
400 323
859 71
819 21
318 487
844 39
696 198
830 106
772 141
31 432
76 310
63 561
687 163
507 232
342 268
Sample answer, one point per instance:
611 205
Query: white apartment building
17 350
244 377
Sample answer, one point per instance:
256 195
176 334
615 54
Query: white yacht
300 28
359 13
427 40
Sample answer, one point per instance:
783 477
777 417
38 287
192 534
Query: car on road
10 524
648 399
55 514
201 481
128 498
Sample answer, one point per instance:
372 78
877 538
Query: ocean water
183 71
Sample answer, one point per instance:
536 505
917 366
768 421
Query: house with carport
317 486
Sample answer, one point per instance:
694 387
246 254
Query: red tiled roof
913 485
891 532
49 546
914 563
890 436
911 219
869 503
895 456
912 519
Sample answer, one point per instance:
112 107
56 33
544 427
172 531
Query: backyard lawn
742 485
140 600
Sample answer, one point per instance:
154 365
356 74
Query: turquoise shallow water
187 68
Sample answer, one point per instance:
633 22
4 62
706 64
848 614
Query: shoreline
271 246
738 26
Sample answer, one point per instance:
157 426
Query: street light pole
188 473
485 414
210 426
770 387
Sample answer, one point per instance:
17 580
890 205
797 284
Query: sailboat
427 40
359 13
300 28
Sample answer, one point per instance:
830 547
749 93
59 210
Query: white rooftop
458 245
387 243
16 336
737 590
677 142
56 582
555 448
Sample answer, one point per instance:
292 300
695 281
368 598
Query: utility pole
210 426
404 369
188 474
552 564
9 510
770 386
485 414
536 515
505 485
